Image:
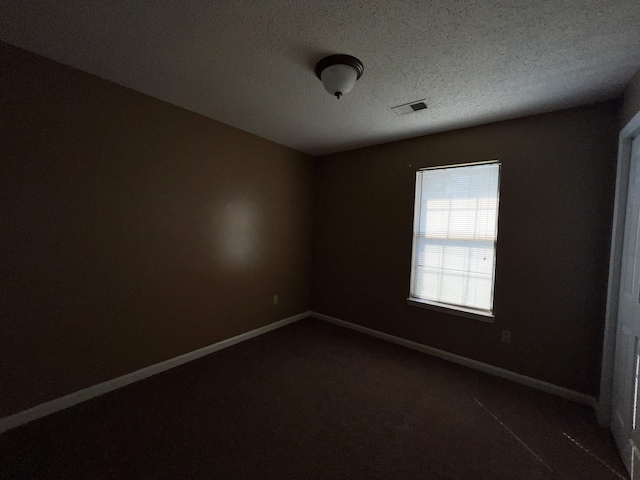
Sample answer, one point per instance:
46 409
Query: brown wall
552 256
631 99
133 231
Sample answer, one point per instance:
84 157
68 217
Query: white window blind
454 236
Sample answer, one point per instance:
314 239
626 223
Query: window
454 238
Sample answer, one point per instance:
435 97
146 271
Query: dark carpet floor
316 401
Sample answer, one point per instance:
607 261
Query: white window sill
451 309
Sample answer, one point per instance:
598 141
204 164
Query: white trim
470 164
47 408
52 406
627 134
452 309
467 362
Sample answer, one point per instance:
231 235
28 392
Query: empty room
320 240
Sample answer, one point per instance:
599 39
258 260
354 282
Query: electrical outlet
275 299
506 336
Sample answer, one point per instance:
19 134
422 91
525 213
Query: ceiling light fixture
339 73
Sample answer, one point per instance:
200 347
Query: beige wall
631 99
133 231
552 256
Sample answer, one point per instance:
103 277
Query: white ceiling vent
410 107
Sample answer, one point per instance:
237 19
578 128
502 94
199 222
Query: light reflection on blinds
454 235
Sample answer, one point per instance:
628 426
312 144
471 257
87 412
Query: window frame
457 310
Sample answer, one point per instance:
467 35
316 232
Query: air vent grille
410 107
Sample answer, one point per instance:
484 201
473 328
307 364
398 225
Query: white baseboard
467 362
47 408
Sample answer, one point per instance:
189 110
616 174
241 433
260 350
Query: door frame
627 134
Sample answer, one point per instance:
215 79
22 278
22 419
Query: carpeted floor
316 401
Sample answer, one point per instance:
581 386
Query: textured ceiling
250 63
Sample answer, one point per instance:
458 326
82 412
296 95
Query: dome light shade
339 79
339 73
